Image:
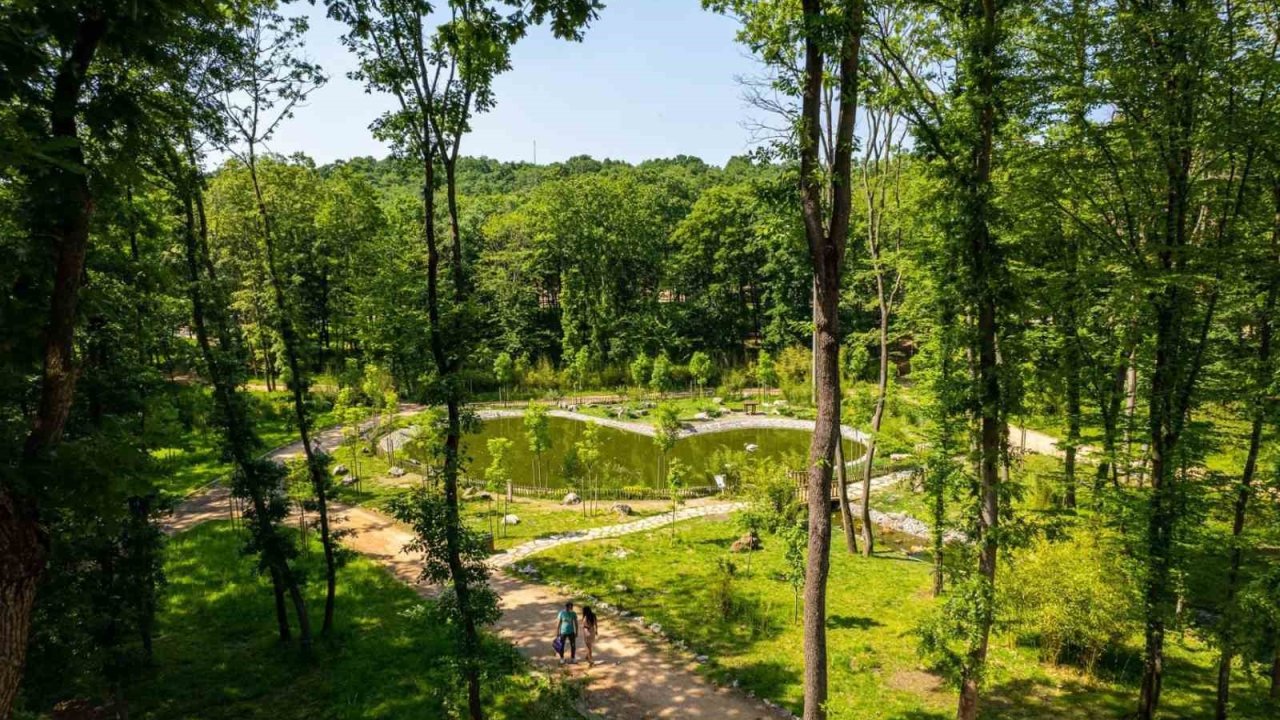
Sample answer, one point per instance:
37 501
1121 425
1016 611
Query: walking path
634 680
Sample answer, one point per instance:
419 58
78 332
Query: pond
633 457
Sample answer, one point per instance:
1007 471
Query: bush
1072 598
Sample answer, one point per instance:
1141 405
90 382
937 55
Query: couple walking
567 631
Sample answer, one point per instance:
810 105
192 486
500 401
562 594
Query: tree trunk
239 434
23 545
846 513
298 387
982 61
1245 490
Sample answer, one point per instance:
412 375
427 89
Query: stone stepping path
652 522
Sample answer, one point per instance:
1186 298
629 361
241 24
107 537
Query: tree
675 483
537 432
666 431
261 85
588 452
641 366
660 377
498 474
700 368
766 371
504 371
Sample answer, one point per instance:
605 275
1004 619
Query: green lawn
539 518
873 607
216 654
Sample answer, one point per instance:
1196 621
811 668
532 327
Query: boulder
718 400
899 457
751 447
396 472
620 553
622 509
701 416
510 520
621 589
571 499
747 543
340 470
350 480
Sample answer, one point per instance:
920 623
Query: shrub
1071 597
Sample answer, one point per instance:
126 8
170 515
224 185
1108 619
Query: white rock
510 520
702 416
702 658
340 470
571 499
899 457
751 447
620 553
396 471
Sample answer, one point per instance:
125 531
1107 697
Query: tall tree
440 77
262 83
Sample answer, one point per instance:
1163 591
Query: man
567 633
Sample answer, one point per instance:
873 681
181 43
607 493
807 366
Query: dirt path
1037 442
633 680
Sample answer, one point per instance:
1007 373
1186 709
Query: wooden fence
605 493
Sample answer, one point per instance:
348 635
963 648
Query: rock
655 629
86 710
620 588
350 480
622 509
721 481
413 462
702 659
340 470
718 400
747 543
702 416
510 520
621 553
899 457
571 499
365 451
396 471
751 447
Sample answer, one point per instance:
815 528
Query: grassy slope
217 656
873 608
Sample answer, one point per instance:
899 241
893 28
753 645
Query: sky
652 78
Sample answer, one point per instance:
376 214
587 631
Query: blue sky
653 78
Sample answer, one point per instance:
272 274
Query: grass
873 609
216 653
539 518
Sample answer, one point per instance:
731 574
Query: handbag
558 644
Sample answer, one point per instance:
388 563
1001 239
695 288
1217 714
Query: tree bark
297 387
239 435
846 513
983 63
23 544
827 241
1262 378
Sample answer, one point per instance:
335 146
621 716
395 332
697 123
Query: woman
589 630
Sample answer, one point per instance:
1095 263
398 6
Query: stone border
736 422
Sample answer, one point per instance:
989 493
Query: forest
1012 268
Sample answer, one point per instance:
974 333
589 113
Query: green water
634 456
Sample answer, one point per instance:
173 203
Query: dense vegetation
972 216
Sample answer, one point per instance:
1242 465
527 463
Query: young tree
588 452
700 369
666 431
675 483
504 371
537 432
660 377
640 368
498 474
766 372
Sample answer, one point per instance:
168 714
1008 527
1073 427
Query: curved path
633 680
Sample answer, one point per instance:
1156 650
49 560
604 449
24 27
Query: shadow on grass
922 715
850 622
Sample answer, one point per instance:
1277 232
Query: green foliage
700 369
766 370
660 374
1071 597
641 366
